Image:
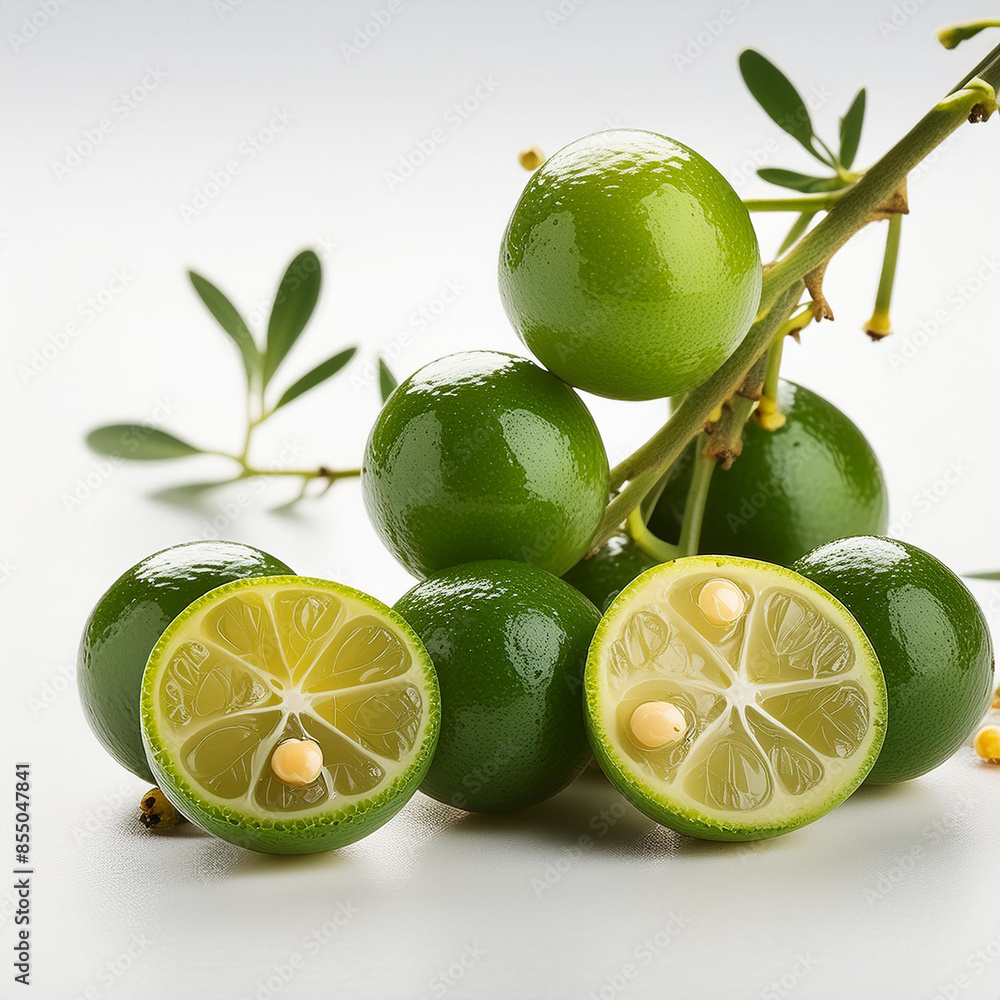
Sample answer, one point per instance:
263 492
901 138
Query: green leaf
775 93
386 380
318 374
993 575
293 305
799 182
850 130
138 443
230 320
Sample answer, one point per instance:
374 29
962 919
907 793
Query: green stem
644 467
802 203
855 206
654 547
832 162
252 423
308 474
800 225
879 324
884 295
982 69
783 284
694 506
773 369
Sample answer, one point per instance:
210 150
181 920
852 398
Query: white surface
892 895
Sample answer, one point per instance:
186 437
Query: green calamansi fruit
931 638
602 576
812 480
289 715
508 643
129 619
483 455
630 267
731 699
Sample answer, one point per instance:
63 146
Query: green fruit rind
932 640
812 480
484 455
630 267
692 821
130 617
603 576
310 834
509 643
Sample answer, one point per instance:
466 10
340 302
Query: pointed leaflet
318 374
799 182
293 305
138 443
775 93
230 320
386 380
850 129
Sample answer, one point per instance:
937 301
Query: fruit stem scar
721 602
656 724
297 762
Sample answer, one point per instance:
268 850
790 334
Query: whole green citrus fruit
509 643
129 619
931 638
483 455
812 480
630 267
609 570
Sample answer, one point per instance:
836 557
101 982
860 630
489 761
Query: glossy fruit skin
128 621
603 576
630 267
482 455
931 638
509 643
812 480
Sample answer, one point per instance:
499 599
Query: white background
892 895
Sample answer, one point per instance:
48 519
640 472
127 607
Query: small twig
802 203
654 547
644 467
697 496
879 325
725 444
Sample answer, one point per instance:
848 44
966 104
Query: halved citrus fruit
731 699
289 715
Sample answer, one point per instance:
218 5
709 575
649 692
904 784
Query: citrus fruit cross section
732 699
289 706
